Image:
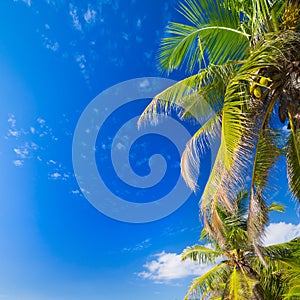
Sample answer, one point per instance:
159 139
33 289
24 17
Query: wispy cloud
28 2
138 247
50 44
90 15
73 12
167 267
18 162
82 64
277 233
12 120
31 142
59 175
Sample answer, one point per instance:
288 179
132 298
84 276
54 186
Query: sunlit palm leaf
266 154
197 96
201 254
215 32
203 284
196 147
240 285
293 162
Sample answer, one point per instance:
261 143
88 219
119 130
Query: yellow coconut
265 81
252 86
257 92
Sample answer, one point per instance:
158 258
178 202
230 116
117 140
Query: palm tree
243 62
238 273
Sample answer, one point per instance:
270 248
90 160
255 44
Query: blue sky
56 56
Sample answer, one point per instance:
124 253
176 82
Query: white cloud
41 121
22 152
139 23
26 150
81 60
51 2
59 175
12 120
145 83
121 146
139 247
90 16
75 192
28 2
50 44
277 233
168 266
75 19
55 175
18 162
82 64
14 133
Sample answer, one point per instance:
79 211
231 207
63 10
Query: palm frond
283 250
204 283
267 153
197 96
235 285
215 32
201 254
196 147
293 161
276 207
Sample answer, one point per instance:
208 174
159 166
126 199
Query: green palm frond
240 284
233 121
214 33
267 153
293 161
197 96
293 283
213 186
201 254
261 16
276 207
235 285
196 147
206 282
244 53
282 277
237 238
284 250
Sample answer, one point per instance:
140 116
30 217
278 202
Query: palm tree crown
243 59
238 272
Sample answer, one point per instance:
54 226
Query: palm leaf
201 254
235 286
214 32
203 284
276 207
196 147
293 161
197 96
267 153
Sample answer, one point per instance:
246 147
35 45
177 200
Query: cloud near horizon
168 267
277 233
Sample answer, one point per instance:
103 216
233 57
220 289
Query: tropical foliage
243 59
238 272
